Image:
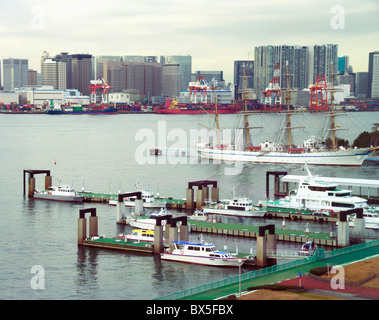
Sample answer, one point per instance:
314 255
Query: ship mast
288 111
332 119
216 118
288 98
246 122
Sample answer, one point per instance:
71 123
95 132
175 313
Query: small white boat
201 253
307 249
147 223
148 199
239 206
59 193
200 215
141 235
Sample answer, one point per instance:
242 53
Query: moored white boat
239 206
199 215
141 235
148 199
147 223
201 253
66 193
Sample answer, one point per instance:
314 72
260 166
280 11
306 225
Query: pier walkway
277 273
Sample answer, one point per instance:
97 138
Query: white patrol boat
314 196
239 206
148 222
201 253
59 193
148 199
200 215
141 235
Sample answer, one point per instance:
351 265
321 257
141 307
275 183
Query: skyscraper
361 84
172 79
243 68
373 75
141 76
320 62
98 65
185 63
81 68
15 73
265 58
56 71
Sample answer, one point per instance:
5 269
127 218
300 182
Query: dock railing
320 254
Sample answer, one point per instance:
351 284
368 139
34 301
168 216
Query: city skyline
214 33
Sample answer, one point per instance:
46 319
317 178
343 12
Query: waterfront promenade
277 273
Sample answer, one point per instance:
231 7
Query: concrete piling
190 199
31 186
82 225
343 230
265 242
48 180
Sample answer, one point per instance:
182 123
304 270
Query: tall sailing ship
312 151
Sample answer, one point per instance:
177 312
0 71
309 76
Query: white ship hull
344 157
238 213
145 204
217 262
58 197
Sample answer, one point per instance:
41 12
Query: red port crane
319 95
101 85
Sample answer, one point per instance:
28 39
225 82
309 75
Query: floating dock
119 244
322 239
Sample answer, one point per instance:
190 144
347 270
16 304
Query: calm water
99 154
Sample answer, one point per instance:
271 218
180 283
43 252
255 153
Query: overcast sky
213 32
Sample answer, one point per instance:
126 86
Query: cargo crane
273 93
101 85
319 95
202 86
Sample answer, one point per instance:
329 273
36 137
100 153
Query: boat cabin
198 249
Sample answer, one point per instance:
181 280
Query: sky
214 32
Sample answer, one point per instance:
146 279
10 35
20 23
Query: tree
363 140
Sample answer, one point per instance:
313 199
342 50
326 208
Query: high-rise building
185 63
15 72
81 68
265 58
172 79
141 76
56 71
373 75
322 57
98 65
32 77
361 84
242 69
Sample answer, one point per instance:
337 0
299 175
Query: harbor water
107 153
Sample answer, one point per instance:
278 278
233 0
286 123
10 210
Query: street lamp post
239 273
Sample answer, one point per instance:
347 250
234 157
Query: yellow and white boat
141 235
